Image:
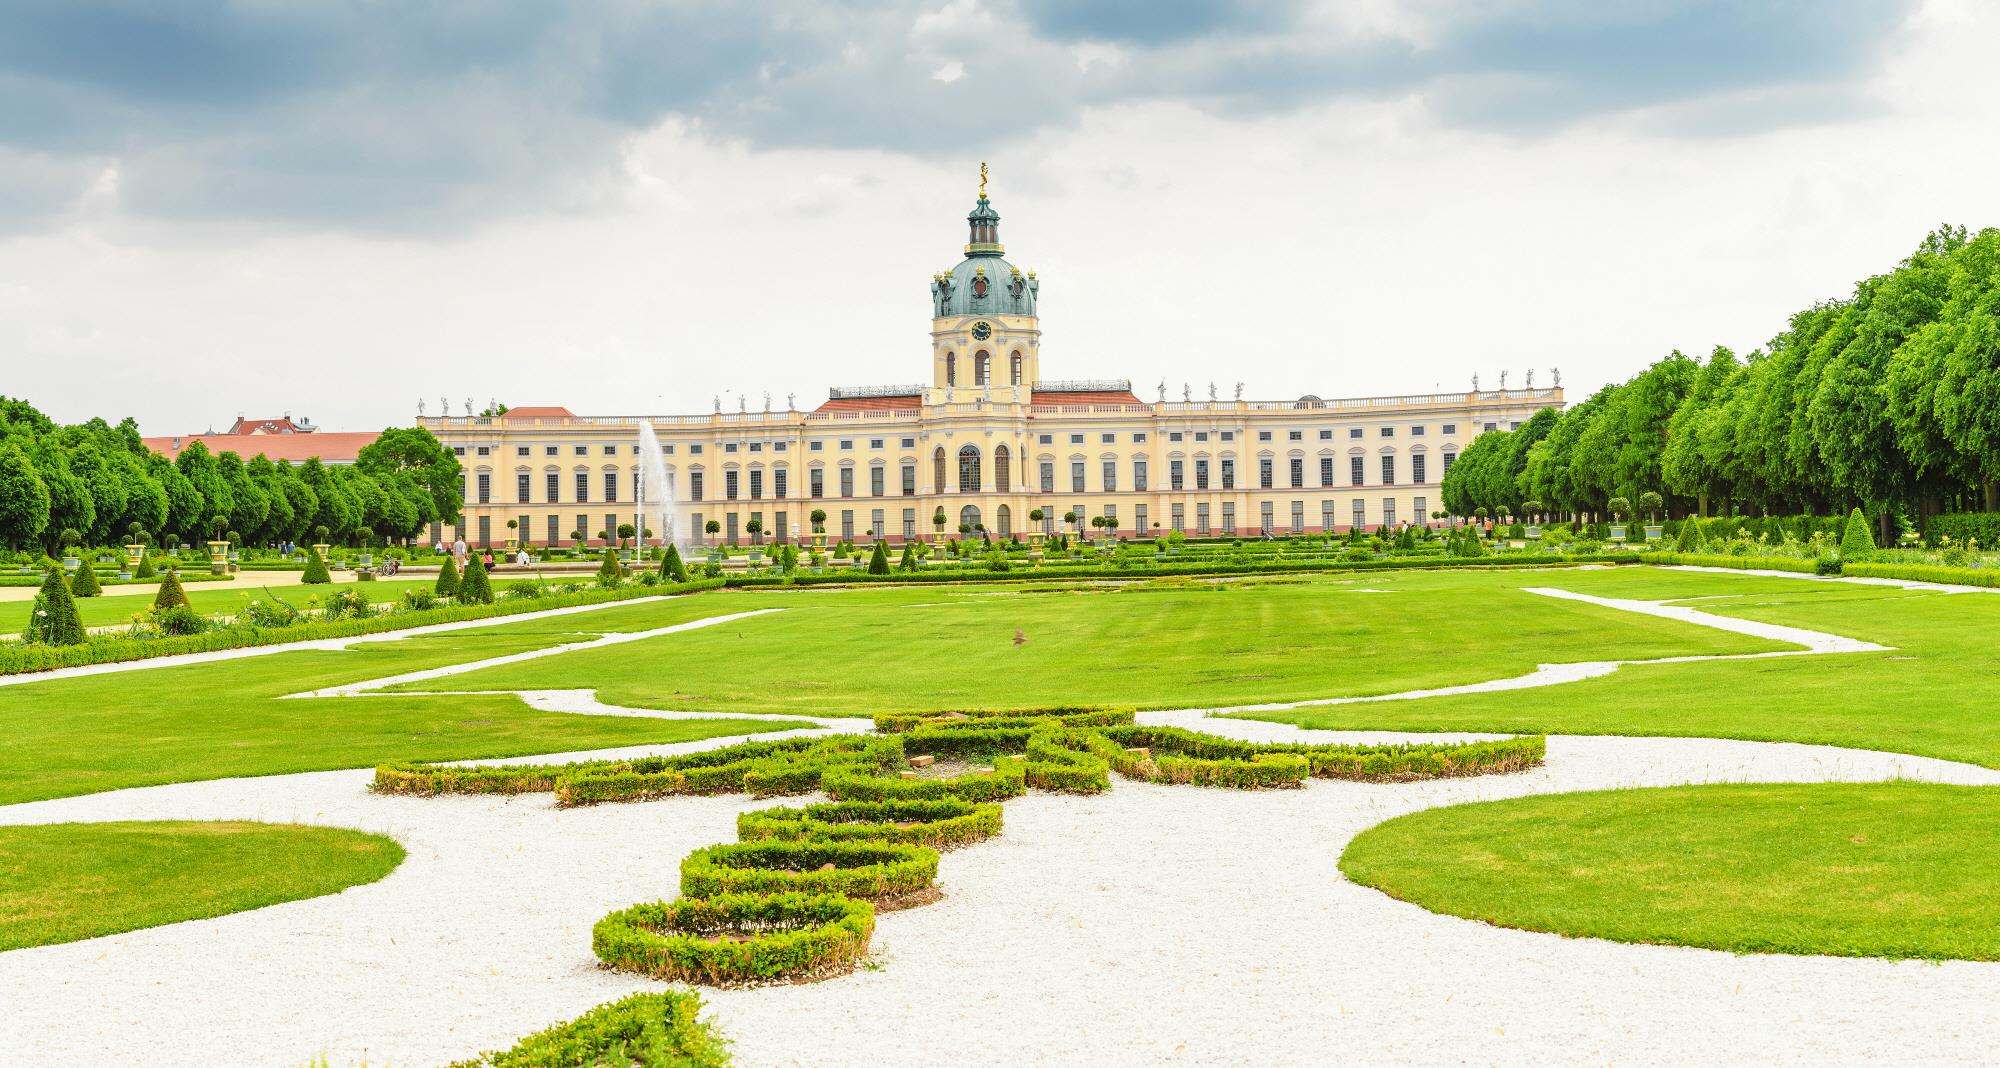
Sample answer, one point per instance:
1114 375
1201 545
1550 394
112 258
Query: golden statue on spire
982 179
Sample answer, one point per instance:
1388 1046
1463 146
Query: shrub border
648 1028
888 875
942 824
665 939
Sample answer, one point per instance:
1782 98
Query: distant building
284 424
295 444
988 441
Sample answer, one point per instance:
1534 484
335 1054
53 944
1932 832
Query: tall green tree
24 498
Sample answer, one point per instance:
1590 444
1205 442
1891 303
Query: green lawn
1933 694
1175 644
118 605
69 881
206 721
1897 869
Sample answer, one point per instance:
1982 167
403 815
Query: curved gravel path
1147 925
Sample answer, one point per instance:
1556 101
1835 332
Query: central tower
984 332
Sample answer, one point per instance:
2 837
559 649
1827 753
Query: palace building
988 440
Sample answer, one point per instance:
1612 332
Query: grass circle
1894 869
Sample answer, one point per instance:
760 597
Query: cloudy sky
335 208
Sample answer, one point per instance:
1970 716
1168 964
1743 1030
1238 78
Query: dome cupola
983 283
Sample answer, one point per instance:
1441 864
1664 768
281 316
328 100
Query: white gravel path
1148 925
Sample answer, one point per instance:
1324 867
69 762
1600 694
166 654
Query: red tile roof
281 425
872 404
1122 396
333 447
544 412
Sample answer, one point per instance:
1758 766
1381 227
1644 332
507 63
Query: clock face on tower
982 330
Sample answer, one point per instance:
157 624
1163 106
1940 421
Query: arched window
937 471
968 470
1014 370
1005 519
950 369
1000 468
979 366
968 516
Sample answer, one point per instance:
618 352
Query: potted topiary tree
712 528
513 536
1650 503
938 521
626 532
1619 507
319 544
218 545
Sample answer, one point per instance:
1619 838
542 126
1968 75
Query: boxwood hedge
887 874
737 939
660 1029
941 824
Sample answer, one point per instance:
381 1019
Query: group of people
460 552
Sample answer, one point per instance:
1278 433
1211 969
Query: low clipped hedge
1747 563
1007 779
737 939
773 768
942 824
1153 569
887 874
101 649
656 1029
1400 762
1961 576
983 718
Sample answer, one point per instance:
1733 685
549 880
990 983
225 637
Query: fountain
658 507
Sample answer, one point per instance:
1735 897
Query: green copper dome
983 283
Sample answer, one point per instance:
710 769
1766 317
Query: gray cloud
346 114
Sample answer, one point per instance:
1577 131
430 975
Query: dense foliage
101 481
1888 399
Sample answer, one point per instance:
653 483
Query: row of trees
100 482
1888 399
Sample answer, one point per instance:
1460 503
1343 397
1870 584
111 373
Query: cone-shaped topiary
146 569
1855 542
608 571
54 620
447 580
84 582
909 560
672 569
878 561
171 595
316 574
1689 538
472 586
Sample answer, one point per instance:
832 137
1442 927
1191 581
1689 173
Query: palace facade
988 441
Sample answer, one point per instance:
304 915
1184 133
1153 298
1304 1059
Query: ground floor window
610 525
1423 515
847 524
1228 518
779 530
485 530
1003 517
1298 517
1388 513
1360 517
1179 515
909 523
695 531
555 529
1139 520
1326 515
582 530
1201 518
875 528
1264 511
729 526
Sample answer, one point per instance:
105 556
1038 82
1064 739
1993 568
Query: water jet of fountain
658 504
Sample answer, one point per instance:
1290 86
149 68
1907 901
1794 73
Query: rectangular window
694 485
1264 473
778 480
1263 435
1417 467
909 443
1174 477
1326 515
1388 511
816 446
1138 439
779 529
1416 431
1201 518
611 450
909 523
1107 439
909 480
1229 435
876 475
1048 476
1295 435
582 450
847 445
875 524
1179 513
1139 520
1423 514
520 450
610 525
1264 512
816 482
1201 474
1354 432
755 446
485 488
1388 431
694 450
847 482
1201 435
1076 476
1389 470
553 486
548 450
521 484
1326 470
582 530
1298 517
582 486
610 485
1448 429
1110 476
1326 435
847 524
1228 474
1174 435
1448 458
485 530
1360 517
729 485
1139 475
1076 439
1228 518
729 447
756 484
485 449
729 526
1356 470
874 443
1298 471
555 530
1046 439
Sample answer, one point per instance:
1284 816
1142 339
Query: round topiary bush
887 874
738 939
945 823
